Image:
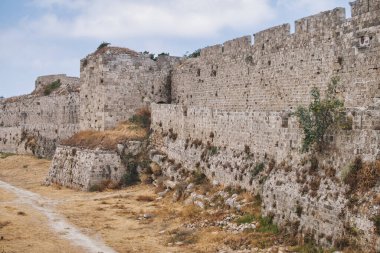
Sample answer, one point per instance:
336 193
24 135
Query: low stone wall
86 169
82 168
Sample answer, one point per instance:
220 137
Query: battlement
360 7
324 21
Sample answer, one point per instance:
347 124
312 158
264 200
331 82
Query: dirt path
46 207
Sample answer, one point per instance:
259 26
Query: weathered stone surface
231 119
117 81
36 123
81 169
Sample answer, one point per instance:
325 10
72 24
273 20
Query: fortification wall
35 124
279 69
88 169
68 83
117 81
82 169
231 120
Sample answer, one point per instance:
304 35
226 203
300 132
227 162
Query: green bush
103 45
213 150
95 188
51 87
142 118
267 226
198 177
321 115
258 168
376 222
131 176
5 155
163 54
195 54
309 248
247 218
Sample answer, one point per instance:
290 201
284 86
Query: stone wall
68 83
81 168
36 123
278 71
117 81
231 119
244 139
88 169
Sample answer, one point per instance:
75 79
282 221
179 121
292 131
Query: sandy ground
114 217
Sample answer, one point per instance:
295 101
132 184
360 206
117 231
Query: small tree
103 44
321 116
195 54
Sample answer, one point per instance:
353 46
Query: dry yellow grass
108 139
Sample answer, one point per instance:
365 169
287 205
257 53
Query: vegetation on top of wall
52 86
163 54
142 118
137 128
195 54
321 116
103 45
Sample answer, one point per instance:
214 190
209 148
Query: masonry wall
81 168
232 120
278 71
117 81
35 124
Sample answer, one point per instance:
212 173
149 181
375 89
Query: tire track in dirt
64 229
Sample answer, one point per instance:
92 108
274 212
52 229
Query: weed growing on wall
321 116
103 45
51 87
142 118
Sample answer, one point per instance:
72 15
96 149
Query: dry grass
107 140
144 198
361 177
369 176
191 212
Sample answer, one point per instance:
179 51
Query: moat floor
33 216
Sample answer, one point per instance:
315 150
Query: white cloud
118 19
310 6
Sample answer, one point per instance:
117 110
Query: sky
42 37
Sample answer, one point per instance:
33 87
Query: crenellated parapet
325 22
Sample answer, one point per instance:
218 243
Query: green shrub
198 177
131 176
349 175
258 168
95 188
195 54
5 155
103 45
142 118
309 248
163 54
376 222
51 87
321 115
247 218
213 150
267 226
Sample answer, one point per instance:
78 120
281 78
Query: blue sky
41 37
